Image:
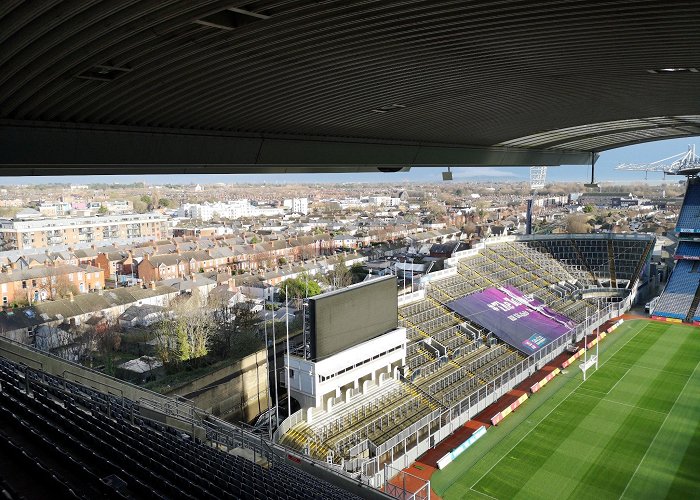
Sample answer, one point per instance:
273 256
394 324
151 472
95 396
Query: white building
384 201
207 211
297 205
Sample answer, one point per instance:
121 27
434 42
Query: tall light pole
286 316
267 370
303 312
404 277
274 358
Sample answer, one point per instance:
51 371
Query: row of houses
48 282
94 311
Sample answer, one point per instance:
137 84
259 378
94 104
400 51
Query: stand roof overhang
107 86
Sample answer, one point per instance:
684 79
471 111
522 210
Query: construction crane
681 164
538 176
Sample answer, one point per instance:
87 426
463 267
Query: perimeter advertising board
525 323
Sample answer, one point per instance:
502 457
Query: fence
405 486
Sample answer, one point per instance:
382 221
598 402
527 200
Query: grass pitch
632 430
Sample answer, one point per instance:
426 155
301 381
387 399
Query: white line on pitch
552 410
672 372
621 403
482 493
659 430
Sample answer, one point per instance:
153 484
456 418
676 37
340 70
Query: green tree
183 345
588 209
297 288
164 202
103 210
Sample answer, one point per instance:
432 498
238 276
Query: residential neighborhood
82 267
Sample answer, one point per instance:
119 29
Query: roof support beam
66 149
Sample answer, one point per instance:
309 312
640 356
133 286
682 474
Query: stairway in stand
611 262
693 306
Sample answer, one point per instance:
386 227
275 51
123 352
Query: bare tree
234 325
577 223
340 276
187 335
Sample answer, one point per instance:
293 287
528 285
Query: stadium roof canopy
347 85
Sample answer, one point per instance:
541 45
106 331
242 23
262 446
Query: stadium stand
689 218
687 250
680 299
93 445
680 291
598 261
452 364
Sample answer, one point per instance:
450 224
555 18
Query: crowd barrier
503 414
669 320
449 457
572 358
593 342
615 325
539 385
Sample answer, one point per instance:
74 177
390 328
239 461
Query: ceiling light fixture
387 107
662 71
103 72
231 18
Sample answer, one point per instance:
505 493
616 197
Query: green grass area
631 430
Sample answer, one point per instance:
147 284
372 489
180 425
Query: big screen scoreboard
347 317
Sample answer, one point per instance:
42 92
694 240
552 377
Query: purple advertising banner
525 323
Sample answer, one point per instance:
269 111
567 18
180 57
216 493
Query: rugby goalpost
593 361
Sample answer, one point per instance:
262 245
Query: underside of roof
120 86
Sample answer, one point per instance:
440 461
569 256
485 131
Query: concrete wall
103 383
236 392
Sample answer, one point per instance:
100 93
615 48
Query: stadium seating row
677 298
687 249
689 218
122 455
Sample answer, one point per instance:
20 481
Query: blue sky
605 171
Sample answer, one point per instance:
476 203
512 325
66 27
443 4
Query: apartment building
43 233
297 205
37 284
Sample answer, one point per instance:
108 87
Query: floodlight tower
538 175
686 163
